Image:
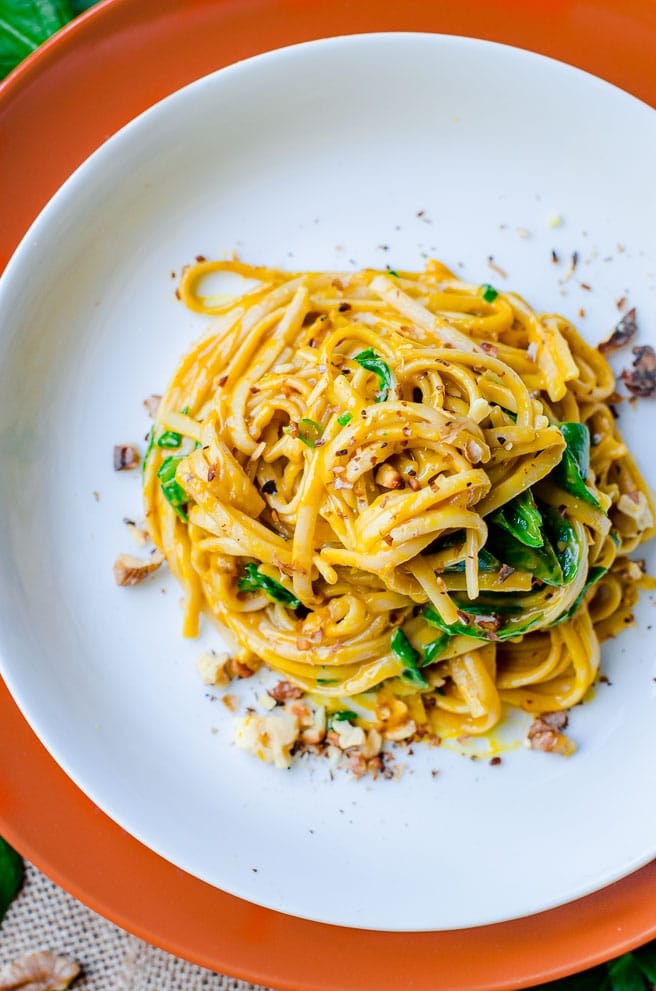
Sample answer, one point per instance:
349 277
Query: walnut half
42 971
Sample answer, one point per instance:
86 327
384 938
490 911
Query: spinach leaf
572 471
373 363
541 562
25 24
254 581
404 650
434 649
522 519
564 541
11 875
172 491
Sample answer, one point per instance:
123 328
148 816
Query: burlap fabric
43 917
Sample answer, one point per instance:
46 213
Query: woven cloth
43 917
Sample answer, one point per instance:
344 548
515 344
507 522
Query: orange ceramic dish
54 111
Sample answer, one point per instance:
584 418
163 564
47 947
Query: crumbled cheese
268 737
554 220
212 668
267 701
541 422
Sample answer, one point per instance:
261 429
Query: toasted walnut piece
403 731
284 690
373 744
544 734
624 332
129 570
635 505
151 405
138 533
315 733
270 738
388 477
357 763
42 971
347 734
240 670
126 456
641 379
212 668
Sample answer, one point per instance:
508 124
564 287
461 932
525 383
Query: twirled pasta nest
398 485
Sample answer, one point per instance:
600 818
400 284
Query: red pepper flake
223 380
620 303
177 294
201 258
211 473
554 257
584 285
495 761
581 312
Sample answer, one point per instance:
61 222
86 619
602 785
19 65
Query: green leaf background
11 875
26 24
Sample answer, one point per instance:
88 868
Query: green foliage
11 875
26 24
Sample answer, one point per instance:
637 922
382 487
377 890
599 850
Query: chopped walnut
624 332
641 379
129 570
42 971
126 456
138 533
240 670
316 731
544 734
348 735
212 668
270 738
635 505
402 731
284 691
151 405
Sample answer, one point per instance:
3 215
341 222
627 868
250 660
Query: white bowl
367 150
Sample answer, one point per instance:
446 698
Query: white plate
349 152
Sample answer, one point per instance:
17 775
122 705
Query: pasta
401 491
